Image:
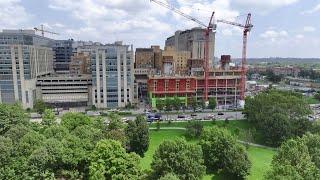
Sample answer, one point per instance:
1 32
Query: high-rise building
112 70
80 64
24 56
180 59
62 55
193 40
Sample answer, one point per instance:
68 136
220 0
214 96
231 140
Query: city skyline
281 28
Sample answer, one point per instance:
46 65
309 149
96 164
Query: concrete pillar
14 74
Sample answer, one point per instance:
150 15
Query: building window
27 97
155 85
188 84
166 82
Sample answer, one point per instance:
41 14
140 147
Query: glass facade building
62 55
23 57
112 74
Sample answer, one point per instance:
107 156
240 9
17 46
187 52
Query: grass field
242 125
311 100
259 157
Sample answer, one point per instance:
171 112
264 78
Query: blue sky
282 28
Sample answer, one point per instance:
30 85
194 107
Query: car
157 116
193 115
220 113
181 116
199 110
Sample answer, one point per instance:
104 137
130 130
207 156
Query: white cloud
12 14
202 10
313 10
103 20
309 28
299 36
268 3
263 6
274 35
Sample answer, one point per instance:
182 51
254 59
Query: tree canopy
49 150
180 158
212 103
280 115
293 161
11 115
137 132
109 160
221 152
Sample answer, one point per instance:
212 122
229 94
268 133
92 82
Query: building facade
224 85
193 40
65 90
112 67
62 55
179 60
80 64
24 56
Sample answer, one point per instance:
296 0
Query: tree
160 104
168 104
273 77
176 103
312 141
73 120
11 115
317 96
115 129
58 132
137 133
279 115
293 162
178 157
193 102
212 103
194 129
39 106
6 148
109 160
29 142
16 132
221 152
169 176
48 118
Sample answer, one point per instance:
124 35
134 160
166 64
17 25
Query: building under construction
224 84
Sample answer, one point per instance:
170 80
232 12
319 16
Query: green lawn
242 125
259 157
156 137
311 100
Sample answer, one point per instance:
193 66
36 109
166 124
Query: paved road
234 115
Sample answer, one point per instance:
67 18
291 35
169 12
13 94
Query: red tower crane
208 28
246 28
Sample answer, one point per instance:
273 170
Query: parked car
193 115
199 110
181 116
220 113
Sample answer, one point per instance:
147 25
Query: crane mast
246 28
208 28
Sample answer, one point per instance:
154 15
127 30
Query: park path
242 142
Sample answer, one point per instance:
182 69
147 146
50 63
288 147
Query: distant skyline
282 28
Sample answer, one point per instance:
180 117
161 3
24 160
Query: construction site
198 75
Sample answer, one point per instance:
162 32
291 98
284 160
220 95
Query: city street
231 115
